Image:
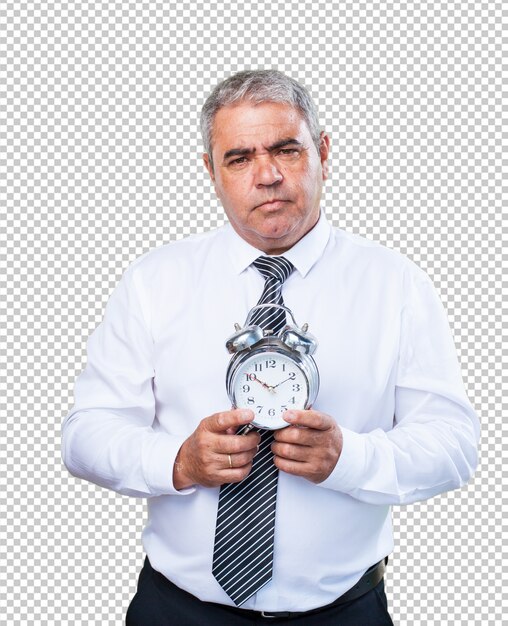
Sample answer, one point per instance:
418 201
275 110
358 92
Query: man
391 423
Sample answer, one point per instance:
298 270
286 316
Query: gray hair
258 86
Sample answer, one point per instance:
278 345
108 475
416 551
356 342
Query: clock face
270 383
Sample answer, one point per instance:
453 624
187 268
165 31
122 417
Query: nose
266 172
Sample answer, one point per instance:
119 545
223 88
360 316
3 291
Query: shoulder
364 264
360 248
366 255
177 258
177 264
184 249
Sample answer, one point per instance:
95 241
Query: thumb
229 421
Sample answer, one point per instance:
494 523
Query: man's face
267 173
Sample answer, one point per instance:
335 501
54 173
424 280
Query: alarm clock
270 374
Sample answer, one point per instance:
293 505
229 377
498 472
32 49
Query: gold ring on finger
230 462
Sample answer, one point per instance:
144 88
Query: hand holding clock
214 454
310 447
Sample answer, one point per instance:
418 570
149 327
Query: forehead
245 124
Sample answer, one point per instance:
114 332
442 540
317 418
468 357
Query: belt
368 581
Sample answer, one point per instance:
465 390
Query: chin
277 226
276 243
276 236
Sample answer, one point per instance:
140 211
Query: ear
324 151
209 166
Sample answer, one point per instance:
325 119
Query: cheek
234 190
307 182
306 190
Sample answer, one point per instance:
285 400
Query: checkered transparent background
100 161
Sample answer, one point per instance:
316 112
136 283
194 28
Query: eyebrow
275 146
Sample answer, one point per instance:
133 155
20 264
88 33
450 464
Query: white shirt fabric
389 376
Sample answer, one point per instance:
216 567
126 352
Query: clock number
296 387
258 367
251 376
246 388
292 375
271 412
250 400
283 408
292 400
270 363
259 408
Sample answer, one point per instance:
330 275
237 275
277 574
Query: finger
311 471
234 475
240 459
291 452
237 443
300 436
226 476
310 419
222 422
297 468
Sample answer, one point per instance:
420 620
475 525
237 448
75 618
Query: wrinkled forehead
243 124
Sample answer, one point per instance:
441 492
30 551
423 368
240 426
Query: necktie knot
277 267
275 270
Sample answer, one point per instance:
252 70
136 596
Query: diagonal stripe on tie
243 550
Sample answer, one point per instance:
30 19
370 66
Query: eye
289 153
238 162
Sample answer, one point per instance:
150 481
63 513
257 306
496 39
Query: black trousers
158 602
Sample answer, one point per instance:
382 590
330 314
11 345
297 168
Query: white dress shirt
389 376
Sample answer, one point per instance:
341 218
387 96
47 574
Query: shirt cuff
350 468
158 462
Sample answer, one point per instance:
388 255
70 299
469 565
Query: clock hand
284 381
269 387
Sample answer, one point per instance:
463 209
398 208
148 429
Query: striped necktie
243 550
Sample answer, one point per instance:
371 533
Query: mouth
272 204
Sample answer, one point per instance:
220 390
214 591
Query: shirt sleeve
108 437
432 446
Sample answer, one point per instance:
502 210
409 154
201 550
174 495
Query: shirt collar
303 255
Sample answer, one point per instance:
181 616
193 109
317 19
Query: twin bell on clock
270 374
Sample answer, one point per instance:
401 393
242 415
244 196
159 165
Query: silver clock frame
294 343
